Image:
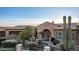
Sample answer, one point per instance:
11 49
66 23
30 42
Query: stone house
45 30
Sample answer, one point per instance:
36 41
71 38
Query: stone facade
45 30
47 26
56 30
10 32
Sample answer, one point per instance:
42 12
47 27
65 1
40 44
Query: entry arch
46 34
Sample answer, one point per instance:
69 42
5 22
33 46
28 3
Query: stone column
52 34
50 41
18 47
46 48
39 36
7 34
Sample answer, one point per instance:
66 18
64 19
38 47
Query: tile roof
54 26
15 27
45 23
59 25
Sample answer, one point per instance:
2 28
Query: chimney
52 22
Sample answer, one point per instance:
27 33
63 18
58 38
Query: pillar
7 34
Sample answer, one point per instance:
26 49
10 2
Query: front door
46 34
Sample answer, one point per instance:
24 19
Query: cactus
65 33
69 32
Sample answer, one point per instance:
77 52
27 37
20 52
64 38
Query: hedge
9 43
7 49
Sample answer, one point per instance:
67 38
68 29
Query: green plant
35 33
67 33
7 49
1 40
19 41
33 46
9 43
26 34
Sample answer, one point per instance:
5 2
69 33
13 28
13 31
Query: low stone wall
76 48
18 47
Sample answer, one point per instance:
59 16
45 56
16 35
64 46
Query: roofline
63 29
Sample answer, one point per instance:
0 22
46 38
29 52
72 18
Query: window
59 26
73 35
55 34
59 34
2 33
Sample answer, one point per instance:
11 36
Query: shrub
19 41
9 43
40 44
7 49
35 33
26 34
33 46
1 40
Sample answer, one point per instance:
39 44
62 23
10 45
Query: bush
1 40
33 46
40 44
7 49
19 41
9 43
26 34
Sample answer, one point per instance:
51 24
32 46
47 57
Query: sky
11 16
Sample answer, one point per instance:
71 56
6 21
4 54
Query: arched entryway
46 34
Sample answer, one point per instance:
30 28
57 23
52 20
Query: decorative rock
46 48
76 48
